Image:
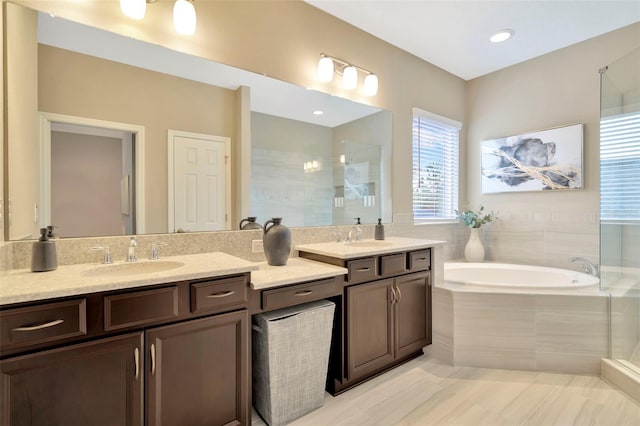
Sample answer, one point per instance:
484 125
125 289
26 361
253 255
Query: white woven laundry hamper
290 360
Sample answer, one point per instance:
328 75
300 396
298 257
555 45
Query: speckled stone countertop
22 285
295 271
367 247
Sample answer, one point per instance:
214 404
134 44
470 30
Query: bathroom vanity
107 347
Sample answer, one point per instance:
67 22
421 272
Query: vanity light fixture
184 13
502 35
184 17
328 65
134 9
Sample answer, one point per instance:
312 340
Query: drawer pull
421 258
221 294
363 269
39 326
302 293
136 359
153 359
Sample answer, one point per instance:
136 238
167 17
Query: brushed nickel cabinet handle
153 359
136 359
421 258
302 293
393 295
221 294
399 294
363 269
39 326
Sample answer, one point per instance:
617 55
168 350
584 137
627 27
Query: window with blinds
435 167
620 167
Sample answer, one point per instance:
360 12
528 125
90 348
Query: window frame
453 189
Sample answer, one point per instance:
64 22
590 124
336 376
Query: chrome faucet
155 248
358 231
107 254
131 254
586 265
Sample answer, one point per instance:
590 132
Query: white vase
474 250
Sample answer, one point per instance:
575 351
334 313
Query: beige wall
85 86
22 121
556 89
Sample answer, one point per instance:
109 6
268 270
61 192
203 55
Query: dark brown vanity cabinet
170 354
386 315
387 320
93 383
198 370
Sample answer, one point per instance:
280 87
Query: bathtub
511 277
521 317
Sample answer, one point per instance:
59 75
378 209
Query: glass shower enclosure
620 207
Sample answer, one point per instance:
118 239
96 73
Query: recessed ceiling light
318 112
501 35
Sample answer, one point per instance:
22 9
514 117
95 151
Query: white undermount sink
371 243
133 268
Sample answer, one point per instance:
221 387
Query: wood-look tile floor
427 392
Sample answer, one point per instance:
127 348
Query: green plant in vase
474 219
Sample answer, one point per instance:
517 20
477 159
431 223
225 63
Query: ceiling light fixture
318 112
184 17
328 65
502 35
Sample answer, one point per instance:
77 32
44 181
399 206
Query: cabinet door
412 313
369 327
198 372
94 383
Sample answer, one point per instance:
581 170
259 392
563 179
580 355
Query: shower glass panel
620 204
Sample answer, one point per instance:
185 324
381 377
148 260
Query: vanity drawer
393 264
218 294
42 323
300 293
140 307
420 260
362 270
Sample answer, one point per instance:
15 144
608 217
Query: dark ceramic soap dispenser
43 253
379 232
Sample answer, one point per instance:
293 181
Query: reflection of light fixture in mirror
318 112
184 17
134 9
329 65
342 158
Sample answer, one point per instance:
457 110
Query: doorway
199 182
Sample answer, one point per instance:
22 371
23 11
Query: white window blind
620 167
435 167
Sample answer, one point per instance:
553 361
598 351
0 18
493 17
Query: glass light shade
325 69
184 17
371 85
350 78
134 9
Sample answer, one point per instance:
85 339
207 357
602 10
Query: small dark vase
250 223
276 240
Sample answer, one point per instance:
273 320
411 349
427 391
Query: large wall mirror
102 130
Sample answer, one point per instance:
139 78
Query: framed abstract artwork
537 161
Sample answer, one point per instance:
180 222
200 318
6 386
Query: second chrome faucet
131 253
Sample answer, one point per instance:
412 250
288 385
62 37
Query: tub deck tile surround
426 391
565 332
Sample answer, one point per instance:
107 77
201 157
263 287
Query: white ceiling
454 34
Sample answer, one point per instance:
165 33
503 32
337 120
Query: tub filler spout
586 265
